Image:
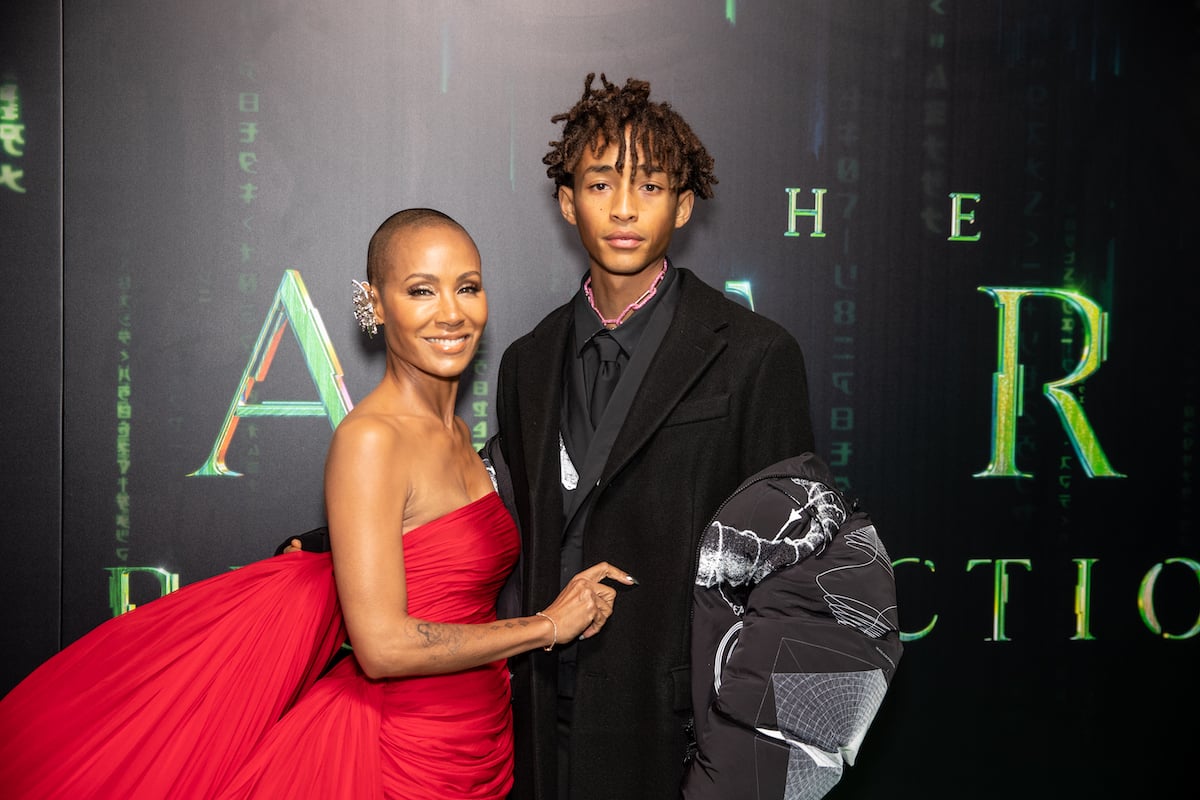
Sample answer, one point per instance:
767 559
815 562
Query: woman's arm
367 489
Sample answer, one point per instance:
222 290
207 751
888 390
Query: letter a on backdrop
291 307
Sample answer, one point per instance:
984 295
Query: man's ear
684 206
566 203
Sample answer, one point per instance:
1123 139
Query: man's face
625 221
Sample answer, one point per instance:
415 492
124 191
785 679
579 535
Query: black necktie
606 377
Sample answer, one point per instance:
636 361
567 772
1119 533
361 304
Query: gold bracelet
550 646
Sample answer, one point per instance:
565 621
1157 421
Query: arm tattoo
436 633
510 623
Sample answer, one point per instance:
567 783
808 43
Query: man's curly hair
602 115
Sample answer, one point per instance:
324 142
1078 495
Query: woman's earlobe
365 313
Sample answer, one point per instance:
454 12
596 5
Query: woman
421 545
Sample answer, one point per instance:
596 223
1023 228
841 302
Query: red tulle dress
212 691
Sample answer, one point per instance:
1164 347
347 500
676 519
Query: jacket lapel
692 342
689 347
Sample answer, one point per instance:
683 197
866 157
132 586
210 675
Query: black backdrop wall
1007 202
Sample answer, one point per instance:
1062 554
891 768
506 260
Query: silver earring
364 309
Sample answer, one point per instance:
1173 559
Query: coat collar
692 342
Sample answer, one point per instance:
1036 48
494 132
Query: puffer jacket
795 637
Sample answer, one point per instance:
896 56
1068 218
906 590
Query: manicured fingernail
631 579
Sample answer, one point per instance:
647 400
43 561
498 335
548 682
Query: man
625 417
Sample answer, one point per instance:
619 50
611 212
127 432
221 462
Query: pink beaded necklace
629 309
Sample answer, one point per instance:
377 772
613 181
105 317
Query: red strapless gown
182 697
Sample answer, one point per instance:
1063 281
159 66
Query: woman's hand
585 604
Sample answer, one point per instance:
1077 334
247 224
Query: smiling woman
421 545
430 299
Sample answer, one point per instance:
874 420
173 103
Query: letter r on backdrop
1008 383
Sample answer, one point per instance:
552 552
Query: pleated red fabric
185 697
435 736
170 699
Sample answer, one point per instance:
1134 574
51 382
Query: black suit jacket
725 395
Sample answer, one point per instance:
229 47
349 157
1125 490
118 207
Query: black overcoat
725 395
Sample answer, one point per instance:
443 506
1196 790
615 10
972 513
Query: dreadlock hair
410 219
659 134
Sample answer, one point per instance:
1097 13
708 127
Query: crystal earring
364 309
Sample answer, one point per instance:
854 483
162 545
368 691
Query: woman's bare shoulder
364 429
370 436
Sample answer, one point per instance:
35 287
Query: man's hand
314 541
